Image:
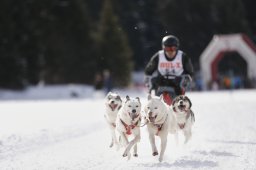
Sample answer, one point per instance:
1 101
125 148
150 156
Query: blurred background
106 44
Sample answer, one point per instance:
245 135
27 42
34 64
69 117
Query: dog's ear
127 97
119 98
108 96
110 93
138 99
173 107
173 101
149 97
190 103
162 97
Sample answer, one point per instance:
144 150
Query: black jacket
159 80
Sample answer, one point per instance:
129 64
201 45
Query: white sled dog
113 103
128 123
158 117
184 116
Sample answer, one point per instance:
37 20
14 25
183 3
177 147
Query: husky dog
128 123
113 103
184 116
158 116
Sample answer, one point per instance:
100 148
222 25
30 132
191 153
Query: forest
72 41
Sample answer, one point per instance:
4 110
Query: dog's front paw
155 153
135 155
160 159
186 140
129 156
117 147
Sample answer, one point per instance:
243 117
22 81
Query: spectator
98 82
108 85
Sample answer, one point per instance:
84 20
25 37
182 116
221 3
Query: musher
169 67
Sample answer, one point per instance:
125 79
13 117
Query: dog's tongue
181 125
182 107
151 119
113 106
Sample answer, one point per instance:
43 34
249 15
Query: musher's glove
185 81
147 81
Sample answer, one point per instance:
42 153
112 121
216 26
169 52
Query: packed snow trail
72 135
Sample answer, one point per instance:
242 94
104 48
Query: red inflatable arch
222 44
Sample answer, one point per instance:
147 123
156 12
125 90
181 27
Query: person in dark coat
168 66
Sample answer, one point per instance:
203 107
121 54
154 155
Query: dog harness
159 127
129 127
182 125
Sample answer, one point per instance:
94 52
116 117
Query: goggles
173 48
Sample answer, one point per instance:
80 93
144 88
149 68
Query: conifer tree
114 52
69 57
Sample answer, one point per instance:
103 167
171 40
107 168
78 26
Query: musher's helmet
170 41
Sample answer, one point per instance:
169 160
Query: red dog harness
129 127
182 125
159 127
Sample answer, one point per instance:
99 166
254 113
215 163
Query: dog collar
129 127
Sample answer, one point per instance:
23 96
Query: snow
71 134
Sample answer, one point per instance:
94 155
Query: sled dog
113 103
184 116
128 125
158 117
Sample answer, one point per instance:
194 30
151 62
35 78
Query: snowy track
72 135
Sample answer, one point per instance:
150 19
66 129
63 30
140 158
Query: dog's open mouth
113 106
182 107
152 118
133 116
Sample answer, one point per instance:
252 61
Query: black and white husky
113 104
184 116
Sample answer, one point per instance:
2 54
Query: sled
169 92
